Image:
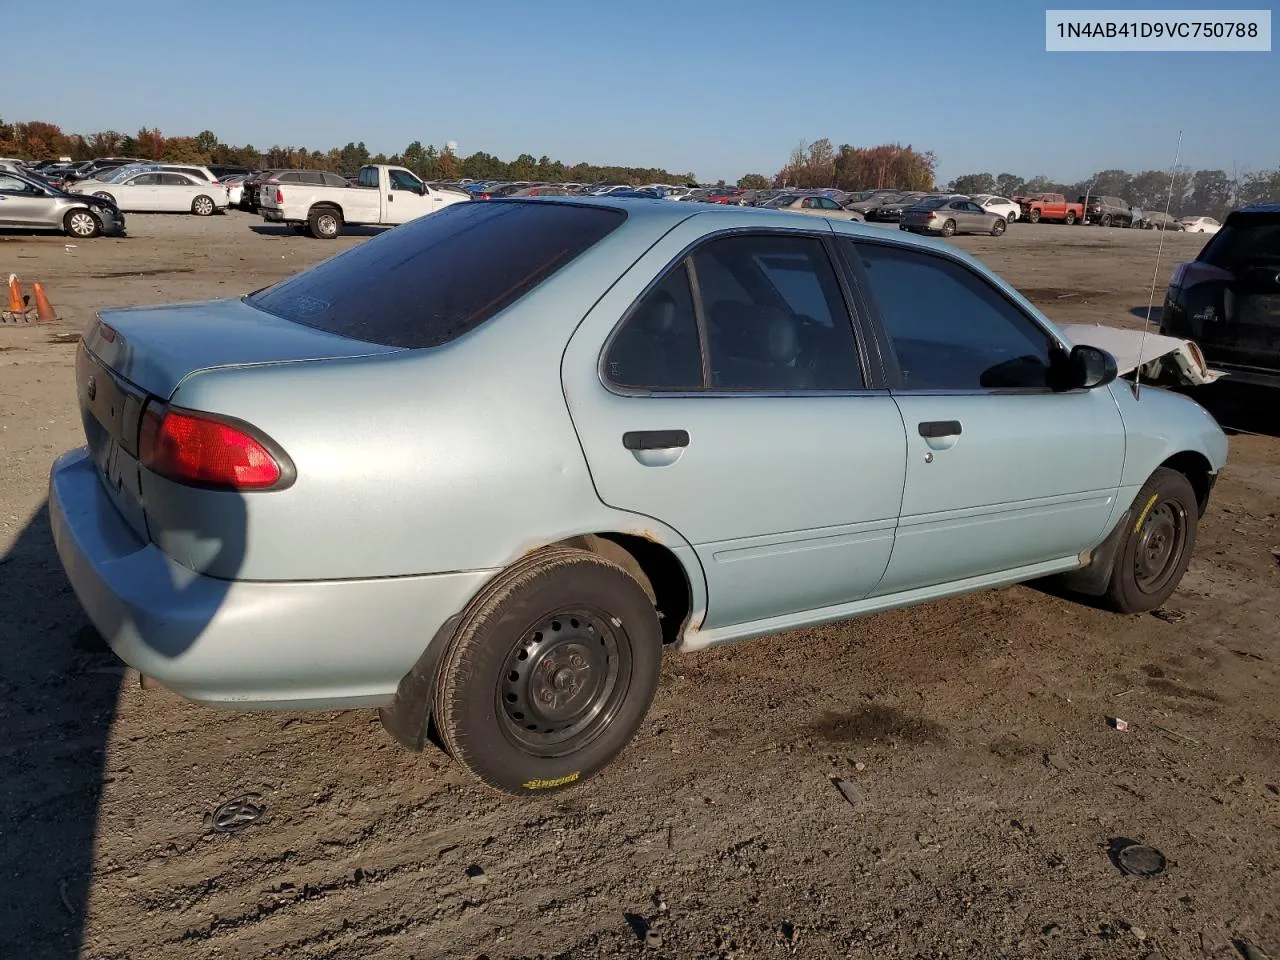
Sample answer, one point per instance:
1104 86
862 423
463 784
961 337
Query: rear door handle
934 429
655 439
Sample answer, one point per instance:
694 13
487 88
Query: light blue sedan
481 470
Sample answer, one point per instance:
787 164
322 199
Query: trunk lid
129 357
154 348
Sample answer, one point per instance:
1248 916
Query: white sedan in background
1200 224
1000 206
159 191
235 187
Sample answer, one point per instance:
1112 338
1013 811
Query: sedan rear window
437 277
1249 238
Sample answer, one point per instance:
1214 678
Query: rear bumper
274 215
234 643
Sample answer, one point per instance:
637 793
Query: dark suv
1228 299
1108 212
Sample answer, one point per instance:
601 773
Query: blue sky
718 88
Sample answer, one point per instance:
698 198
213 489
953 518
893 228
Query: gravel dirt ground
988 784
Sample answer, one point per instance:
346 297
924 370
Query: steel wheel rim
564 681
1161 543
82 224
328 224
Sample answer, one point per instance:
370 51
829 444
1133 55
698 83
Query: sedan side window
952 330
12 185
772 314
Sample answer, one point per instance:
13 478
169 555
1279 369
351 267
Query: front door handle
655 439
936 429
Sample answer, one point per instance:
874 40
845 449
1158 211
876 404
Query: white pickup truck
385 196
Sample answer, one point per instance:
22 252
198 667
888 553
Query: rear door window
435 278
774 320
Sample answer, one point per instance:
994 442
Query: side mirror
422 189
1089 367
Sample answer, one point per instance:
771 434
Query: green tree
753 181
972 183
206 141
1211 193
1007 184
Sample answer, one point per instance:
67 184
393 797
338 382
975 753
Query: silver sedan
484 470
949 216
816 206
28 203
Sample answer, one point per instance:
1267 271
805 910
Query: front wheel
1157 544
325 223
102 195
202 206
550 673
949 228
997 228
82 224
1034 216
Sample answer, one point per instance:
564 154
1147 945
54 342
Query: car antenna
1155 276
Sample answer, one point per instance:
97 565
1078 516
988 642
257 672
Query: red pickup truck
1050 206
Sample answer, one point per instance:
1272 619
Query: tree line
1206 193
38 140
820 164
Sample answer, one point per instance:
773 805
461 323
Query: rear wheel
550 673
202 206
325 223
82 224
1071 217
1157 545
949 228
997 228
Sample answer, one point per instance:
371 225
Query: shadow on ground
284 230
59 684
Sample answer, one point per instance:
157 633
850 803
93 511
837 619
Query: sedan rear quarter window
437 277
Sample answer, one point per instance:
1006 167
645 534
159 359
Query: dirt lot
975 730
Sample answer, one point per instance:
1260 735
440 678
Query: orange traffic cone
17 302
44 309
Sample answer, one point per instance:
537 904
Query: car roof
1264 212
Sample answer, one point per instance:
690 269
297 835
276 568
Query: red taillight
204 451
279 195
931 216
483 196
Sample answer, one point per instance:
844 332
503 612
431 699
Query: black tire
105 196
949 228
82 224
997 228
1033 216
203 206
1105 221
563 622
1070 218
1157 545
325 223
